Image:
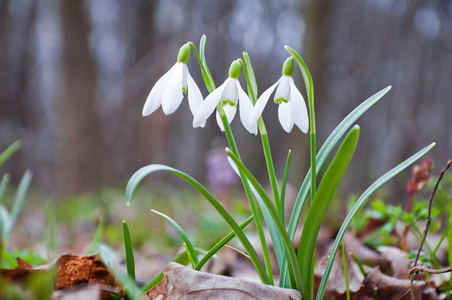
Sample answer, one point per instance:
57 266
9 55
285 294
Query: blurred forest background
74 76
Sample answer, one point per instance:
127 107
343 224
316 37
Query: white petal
230 91
246 108
194 95
173 93
154 99
285 116
298 108
208 106
230 114
261 102
283 90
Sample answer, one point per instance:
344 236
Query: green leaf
17 203
180 259
183 235
220 245
130 261
143 172
13 148
323 153
359 203
4 186
268 204
318 207
95 242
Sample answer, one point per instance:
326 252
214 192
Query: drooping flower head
292 108
228 95
169 90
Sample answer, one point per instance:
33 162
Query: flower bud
287 68
184 54
234 69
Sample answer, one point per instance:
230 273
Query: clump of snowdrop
296 263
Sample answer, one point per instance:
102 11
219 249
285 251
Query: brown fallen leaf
336 286
157 292
75 270
185 283
23 271
390 288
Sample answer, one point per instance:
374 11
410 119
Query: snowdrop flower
169 90
292 108
228 95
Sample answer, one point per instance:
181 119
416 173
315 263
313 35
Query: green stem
283 186
249 194
270 167
344 263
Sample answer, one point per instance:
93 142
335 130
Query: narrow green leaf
249 194
17 203
344 263
318 207
220 245
4 224
182 233
180 259
51 231
238 251
359 203
325 150
130 261
143 172
278 246
359 263
274 215
13 148
4 186
95 242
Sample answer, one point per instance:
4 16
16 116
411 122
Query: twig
424 269
429 219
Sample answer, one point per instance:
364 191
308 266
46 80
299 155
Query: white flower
292 108
228 95
169 90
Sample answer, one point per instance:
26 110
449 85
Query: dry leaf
390 288
185 284
74 270
158 292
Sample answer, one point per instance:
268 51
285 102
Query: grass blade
182 233
13 148
318 207
359 203
4 186
130 261
220 245
274 216
17 203
95 242
143 172
180 259
325 150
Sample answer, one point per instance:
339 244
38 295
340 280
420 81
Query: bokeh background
74 76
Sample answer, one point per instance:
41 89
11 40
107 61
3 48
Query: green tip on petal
287 68
234 69
184 53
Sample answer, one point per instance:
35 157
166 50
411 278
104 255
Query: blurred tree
79 160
